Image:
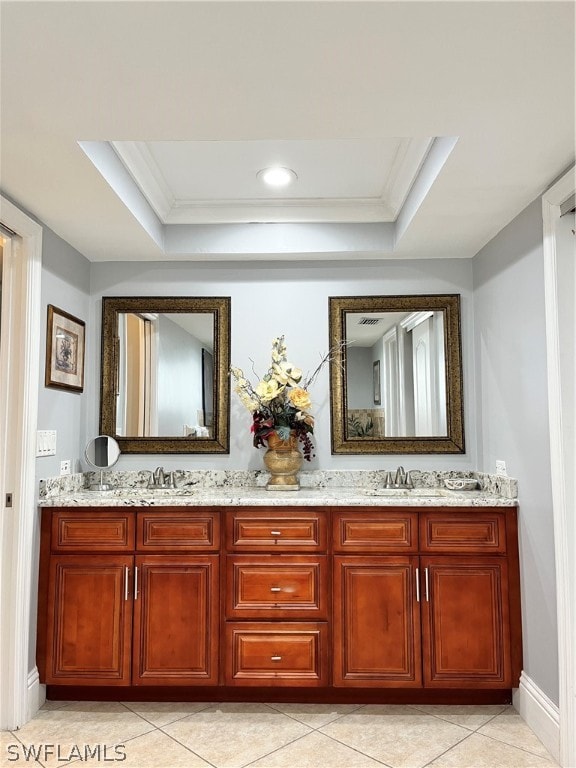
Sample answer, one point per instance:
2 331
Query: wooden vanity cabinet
109 619
422 604
433 620
276 597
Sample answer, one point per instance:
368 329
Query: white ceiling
347 91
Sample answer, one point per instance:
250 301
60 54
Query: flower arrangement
280 402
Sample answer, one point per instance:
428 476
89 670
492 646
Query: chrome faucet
402 479
160 479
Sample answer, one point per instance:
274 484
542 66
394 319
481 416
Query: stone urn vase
283 459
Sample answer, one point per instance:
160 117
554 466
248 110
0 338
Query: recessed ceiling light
277 176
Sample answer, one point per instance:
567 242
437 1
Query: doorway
560 298
19 375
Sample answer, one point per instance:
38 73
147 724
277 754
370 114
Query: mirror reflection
397 387
395 374
165 374
165 361
102 452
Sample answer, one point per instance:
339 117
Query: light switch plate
501 468
46 442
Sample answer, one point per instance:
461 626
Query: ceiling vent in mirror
369 320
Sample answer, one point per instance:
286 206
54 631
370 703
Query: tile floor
194 735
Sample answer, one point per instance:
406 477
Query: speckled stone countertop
245 488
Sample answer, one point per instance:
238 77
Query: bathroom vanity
318 597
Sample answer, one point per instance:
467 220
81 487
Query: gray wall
66 285
512 417
273 299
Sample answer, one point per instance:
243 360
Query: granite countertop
199 497
243 488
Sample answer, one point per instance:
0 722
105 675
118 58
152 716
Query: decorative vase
283 459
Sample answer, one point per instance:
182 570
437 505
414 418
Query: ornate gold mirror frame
349 440
218 439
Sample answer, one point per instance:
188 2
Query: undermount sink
422 492
150 493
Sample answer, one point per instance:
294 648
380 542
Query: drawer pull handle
275 589
275 658
276 533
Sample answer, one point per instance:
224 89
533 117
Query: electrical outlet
501 468
66 467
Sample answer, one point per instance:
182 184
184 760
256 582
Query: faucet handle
388 479
400 478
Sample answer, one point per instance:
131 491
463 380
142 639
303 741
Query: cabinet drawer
463 531
276 530
92 531
380 531
291 654
175 530
288 586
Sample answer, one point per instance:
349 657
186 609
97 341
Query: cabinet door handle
135 582
417 585
275 589
275 658
276 533
126 575
426 584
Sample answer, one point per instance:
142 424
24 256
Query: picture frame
376 382
65 343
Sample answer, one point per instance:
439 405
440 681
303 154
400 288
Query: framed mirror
164 375
396 385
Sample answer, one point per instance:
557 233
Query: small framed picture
376 382
64 350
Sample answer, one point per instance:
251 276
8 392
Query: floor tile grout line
14 736
317 727
122 742
354 749
461 725
547 756
461 741
175 740
183 717
289 743
303 736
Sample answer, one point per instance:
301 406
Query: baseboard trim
36 694
539 712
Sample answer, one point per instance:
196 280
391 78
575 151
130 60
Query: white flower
286 373
268 390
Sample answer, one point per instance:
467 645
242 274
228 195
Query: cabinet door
376 622
466 629
89 620
176 620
